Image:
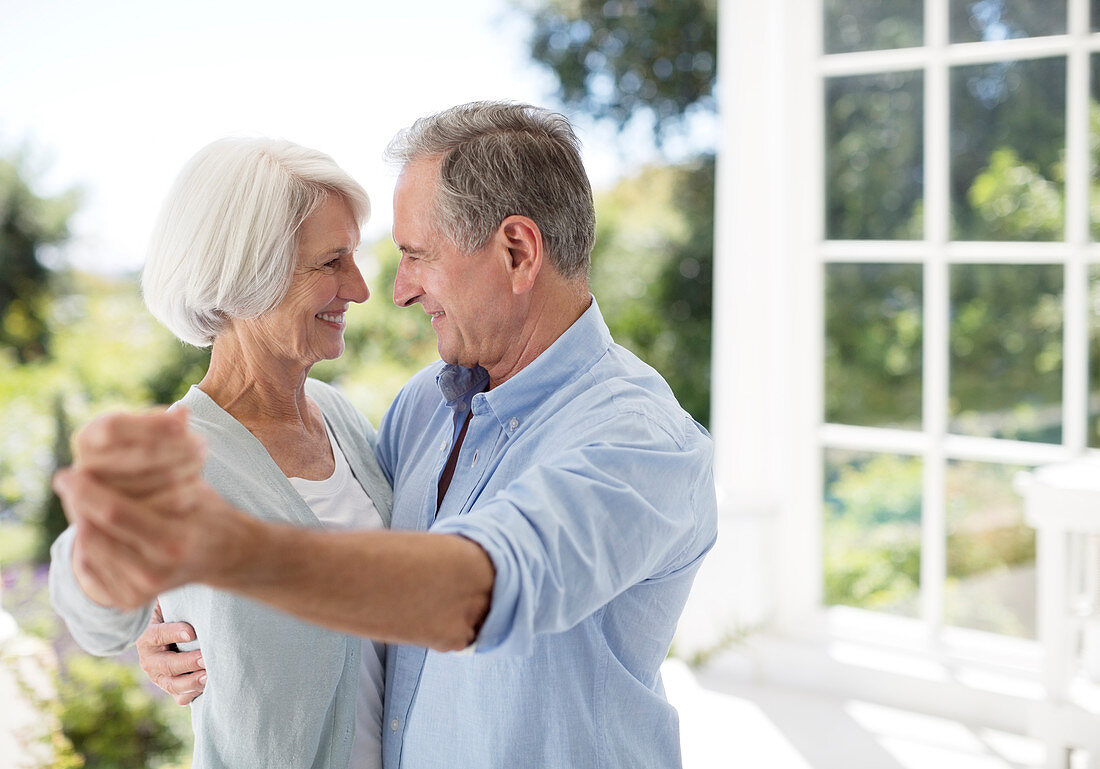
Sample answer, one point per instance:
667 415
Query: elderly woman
254 254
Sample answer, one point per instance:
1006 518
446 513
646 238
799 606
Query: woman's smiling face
307 325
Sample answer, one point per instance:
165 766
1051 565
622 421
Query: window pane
873 25
874 156
1006 351
1095 5
990 551
872 531
873 334
974 20
1007 144
1094 356
1094 145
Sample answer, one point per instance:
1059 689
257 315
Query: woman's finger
163 634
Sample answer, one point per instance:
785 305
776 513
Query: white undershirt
339 502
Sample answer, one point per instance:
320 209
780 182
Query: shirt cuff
497 630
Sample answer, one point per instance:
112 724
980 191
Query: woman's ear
523 243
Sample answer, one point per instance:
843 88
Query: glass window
874 183
1006 351
873 338
960 293
990 551
974 20
1008 129
872 531
1094 145
873 25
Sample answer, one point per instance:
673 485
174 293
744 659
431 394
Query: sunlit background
899 288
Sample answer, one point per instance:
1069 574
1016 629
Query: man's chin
454 358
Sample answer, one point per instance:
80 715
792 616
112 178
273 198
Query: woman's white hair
226 242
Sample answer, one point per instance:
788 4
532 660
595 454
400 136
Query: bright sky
113 96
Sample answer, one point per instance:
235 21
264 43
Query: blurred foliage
987 538
18 543
872 539
1008 121
53 515
874 339
1015 201
1006 351
872 25
874 176
104 347
111 719
652 273
617 60
974 20
28 224
872 531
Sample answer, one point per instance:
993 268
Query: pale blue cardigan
281 692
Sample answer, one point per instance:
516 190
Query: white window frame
767 395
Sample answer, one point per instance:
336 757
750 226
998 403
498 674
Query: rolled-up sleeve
589 522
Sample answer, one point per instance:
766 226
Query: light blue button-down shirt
592 492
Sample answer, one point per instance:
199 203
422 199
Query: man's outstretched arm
405 587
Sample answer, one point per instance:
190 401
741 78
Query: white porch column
763 397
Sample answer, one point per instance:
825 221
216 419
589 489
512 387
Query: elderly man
556 500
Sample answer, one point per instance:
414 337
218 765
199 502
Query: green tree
619 59
53 515
28 222
654 246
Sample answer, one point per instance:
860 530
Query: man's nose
405 288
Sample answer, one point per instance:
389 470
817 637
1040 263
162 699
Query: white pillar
762 396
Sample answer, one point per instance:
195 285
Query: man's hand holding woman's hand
140 507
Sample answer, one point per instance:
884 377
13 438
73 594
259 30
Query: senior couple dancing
493 578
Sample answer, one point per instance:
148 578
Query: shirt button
513 424
475 457
393 725
443 446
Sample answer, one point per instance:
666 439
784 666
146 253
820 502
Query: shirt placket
475 456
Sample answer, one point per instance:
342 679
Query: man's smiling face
466 295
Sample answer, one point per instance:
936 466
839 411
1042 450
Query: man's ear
522 241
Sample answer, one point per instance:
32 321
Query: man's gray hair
501 159
226 243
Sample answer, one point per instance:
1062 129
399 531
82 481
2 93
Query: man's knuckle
113 513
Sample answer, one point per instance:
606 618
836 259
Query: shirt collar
571 354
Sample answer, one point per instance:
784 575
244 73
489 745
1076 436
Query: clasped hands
143 514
